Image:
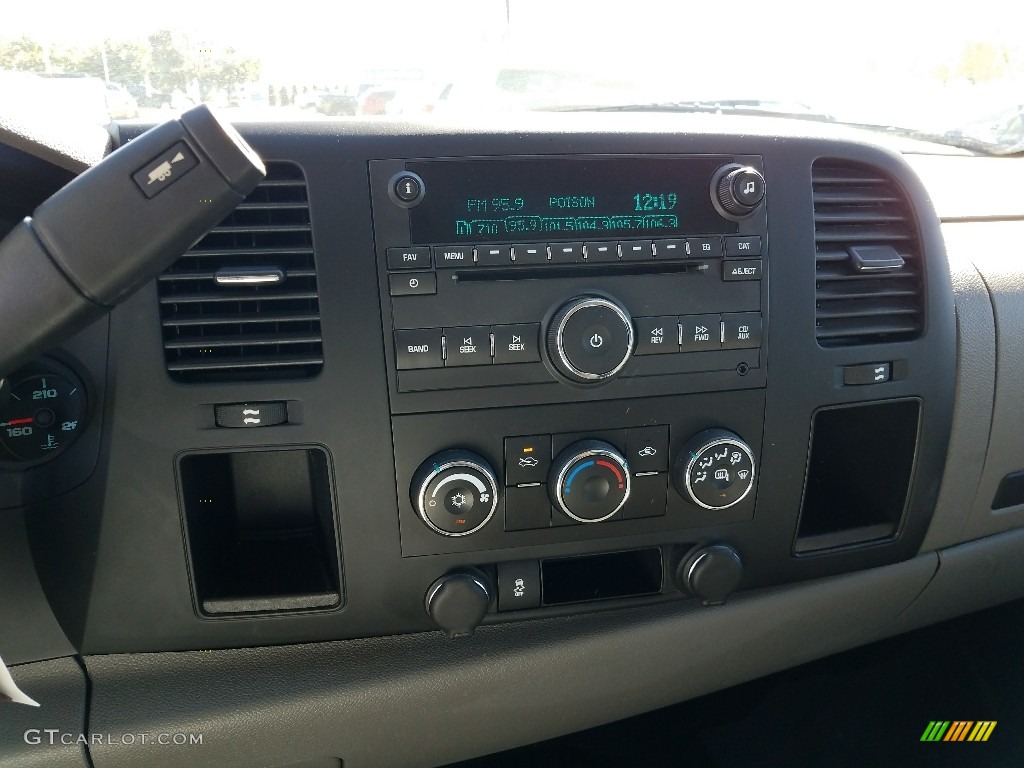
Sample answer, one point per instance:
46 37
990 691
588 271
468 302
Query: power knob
737 190
590 339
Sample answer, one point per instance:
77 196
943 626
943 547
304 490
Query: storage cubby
261 531
858 474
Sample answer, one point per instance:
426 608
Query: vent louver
870 276
242 304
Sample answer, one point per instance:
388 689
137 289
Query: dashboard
724 391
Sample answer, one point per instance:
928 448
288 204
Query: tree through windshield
912 65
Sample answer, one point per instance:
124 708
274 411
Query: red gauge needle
16 422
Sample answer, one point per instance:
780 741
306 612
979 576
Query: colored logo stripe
935 730
958 730
982 730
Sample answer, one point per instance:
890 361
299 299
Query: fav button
470 345
409 258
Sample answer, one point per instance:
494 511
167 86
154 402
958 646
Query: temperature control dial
589 481
715 469
42 411
455 492
590 339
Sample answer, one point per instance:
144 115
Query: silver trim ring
421 498
721 441
436 587
585 304
585 455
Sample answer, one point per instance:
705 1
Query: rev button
656 335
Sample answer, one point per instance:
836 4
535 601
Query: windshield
954 77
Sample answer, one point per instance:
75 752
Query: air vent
242 304
868 262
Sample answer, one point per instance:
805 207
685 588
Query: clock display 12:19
660 201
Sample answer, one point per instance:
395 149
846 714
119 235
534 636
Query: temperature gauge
42 411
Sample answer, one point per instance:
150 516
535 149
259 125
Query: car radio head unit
571 271
596 198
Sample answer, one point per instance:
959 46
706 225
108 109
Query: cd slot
540 272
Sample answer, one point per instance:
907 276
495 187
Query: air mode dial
714 470
589 481
455 492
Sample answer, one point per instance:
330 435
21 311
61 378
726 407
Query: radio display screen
586 198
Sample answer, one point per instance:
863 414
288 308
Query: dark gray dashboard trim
392 701
30 630
60 687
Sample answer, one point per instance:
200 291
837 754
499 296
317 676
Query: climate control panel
680 463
